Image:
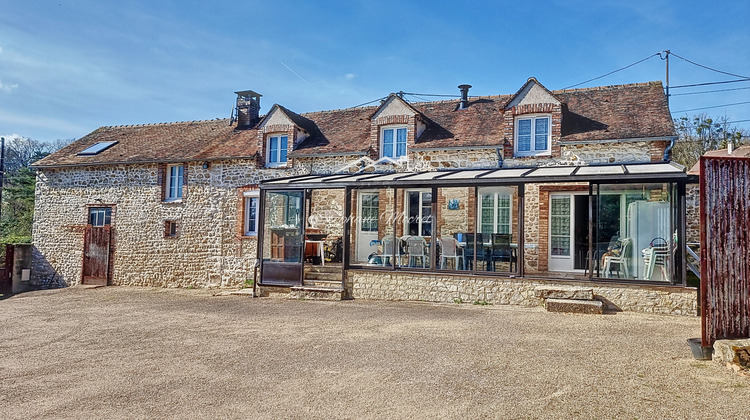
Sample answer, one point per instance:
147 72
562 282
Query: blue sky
68 67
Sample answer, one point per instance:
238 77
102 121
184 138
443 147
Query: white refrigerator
646 220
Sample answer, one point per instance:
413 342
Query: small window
100 216
393 142
277 149
251 216
175 178
97 148
170 229
532 136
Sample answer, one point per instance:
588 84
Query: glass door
283 239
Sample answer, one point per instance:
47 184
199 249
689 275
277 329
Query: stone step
331 284
316 293
563 292
323 269
579 306
313 275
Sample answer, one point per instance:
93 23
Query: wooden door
96 249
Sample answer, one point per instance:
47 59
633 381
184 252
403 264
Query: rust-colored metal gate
96 251
725 248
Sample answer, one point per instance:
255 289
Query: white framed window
277 149
495 210
532 135
175 179
100 216
251 213
393 142
418 212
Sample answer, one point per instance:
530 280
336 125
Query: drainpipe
499 151
668 149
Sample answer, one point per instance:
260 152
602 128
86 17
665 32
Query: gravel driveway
122 352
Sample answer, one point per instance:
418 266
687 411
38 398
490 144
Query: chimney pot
464 96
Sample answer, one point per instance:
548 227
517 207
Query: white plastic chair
622 260
449 249
415 246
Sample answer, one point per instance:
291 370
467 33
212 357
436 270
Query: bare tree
701 133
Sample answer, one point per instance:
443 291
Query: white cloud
7 88
349 76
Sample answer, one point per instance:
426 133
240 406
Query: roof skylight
97 148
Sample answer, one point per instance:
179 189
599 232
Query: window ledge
177 201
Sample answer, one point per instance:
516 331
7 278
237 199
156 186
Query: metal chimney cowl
464 96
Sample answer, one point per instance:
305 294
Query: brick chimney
248 107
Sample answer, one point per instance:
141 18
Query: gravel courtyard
122 352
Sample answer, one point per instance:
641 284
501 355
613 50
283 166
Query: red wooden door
96 248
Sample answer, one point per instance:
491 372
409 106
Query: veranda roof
624 173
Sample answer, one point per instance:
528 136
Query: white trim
278 162
251 193
395 129
533 151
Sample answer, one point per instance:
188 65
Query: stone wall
208 250
383 285
595 154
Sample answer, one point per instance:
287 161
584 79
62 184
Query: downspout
499 157
668 149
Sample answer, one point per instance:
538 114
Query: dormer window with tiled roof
393 142
532 135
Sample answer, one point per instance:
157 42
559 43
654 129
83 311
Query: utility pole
666 58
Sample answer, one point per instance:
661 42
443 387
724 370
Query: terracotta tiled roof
739 152
180 141
591 114
615 112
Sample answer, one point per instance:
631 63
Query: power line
708 91
709 107
367 103
710 83
709 68
612 72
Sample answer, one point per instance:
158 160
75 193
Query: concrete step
563 292
320 275
579 306
316 293
330 284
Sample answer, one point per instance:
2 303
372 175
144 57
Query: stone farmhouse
479 199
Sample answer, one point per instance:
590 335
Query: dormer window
277 149
393 142
532 136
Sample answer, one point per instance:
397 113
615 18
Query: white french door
367 224
568 231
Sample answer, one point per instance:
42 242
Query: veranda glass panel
282 237
455 228
416 238
371 221
636 236
497 239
